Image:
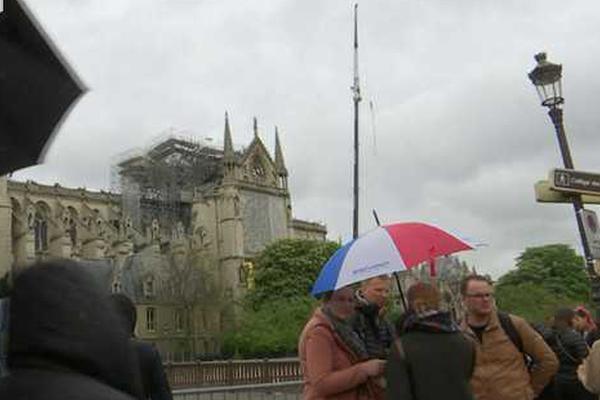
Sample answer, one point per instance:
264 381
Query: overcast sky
456 135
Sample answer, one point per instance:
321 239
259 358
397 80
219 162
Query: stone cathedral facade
178 236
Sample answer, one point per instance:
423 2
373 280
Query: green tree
276 310
530 301
288 268
556 267
545 278
271 330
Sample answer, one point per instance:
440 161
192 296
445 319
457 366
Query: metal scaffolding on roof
159 183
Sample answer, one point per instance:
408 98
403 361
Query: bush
272 330
532 302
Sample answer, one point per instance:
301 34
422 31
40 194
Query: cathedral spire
228 154
255 127
279 163
229 160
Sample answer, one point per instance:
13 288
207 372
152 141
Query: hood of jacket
61 319
434 321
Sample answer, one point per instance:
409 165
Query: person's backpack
509 328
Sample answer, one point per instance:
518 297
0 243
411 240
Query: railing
232 372
264 391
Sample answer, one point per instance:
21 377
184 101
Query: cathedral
179 236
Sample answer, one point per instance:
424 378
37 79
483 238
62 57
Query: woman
332 356
585 325
432 359
571 350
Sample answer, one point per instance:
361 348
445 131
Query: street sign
569 180
592 231
545 194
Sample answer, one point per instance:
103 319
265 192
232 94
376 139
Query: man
154 382
500 369
369 322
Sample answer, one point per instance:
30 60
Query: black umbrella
37 88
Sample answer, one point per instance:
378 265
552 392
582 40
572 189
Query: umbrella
388 249
37 88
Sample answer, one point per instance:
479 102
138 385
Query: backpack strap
511 331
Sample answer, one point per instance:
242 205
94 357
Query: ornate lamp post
546 77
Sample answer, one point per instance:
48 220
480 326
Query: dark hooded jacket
432 359
155 385
65 339
571 350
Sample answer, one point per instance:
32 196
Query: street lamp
546 77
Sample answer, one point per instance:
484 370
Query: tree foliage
546 278
288 268
555 267
270 331
276 310
531 301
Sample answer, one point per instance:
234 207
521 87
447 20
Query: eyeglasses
481 295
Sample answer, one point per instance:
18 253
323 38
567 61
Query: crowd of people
350 350
69 339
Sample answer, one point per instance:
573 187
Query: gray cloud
460 137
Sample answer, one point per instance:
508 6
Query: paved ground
250 392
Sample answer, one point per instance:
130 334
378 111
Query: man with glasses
501 372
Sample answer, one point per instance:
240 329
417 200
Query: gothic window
149 287
179 320
72 225
151 319
72 231
40 230
241 274
236 206
116 287
257 169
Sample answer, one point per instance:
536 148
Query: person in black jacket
154 382
65 339
431 359
571 350
369 322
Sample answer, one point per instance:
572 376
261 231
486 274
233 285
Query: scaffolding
158 184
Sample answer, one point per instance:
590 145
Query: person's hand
373 367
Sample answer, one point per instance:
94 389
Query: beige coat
500 371
589 370
330 369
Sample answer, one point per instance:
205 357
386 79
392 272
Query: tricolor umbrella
388 249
